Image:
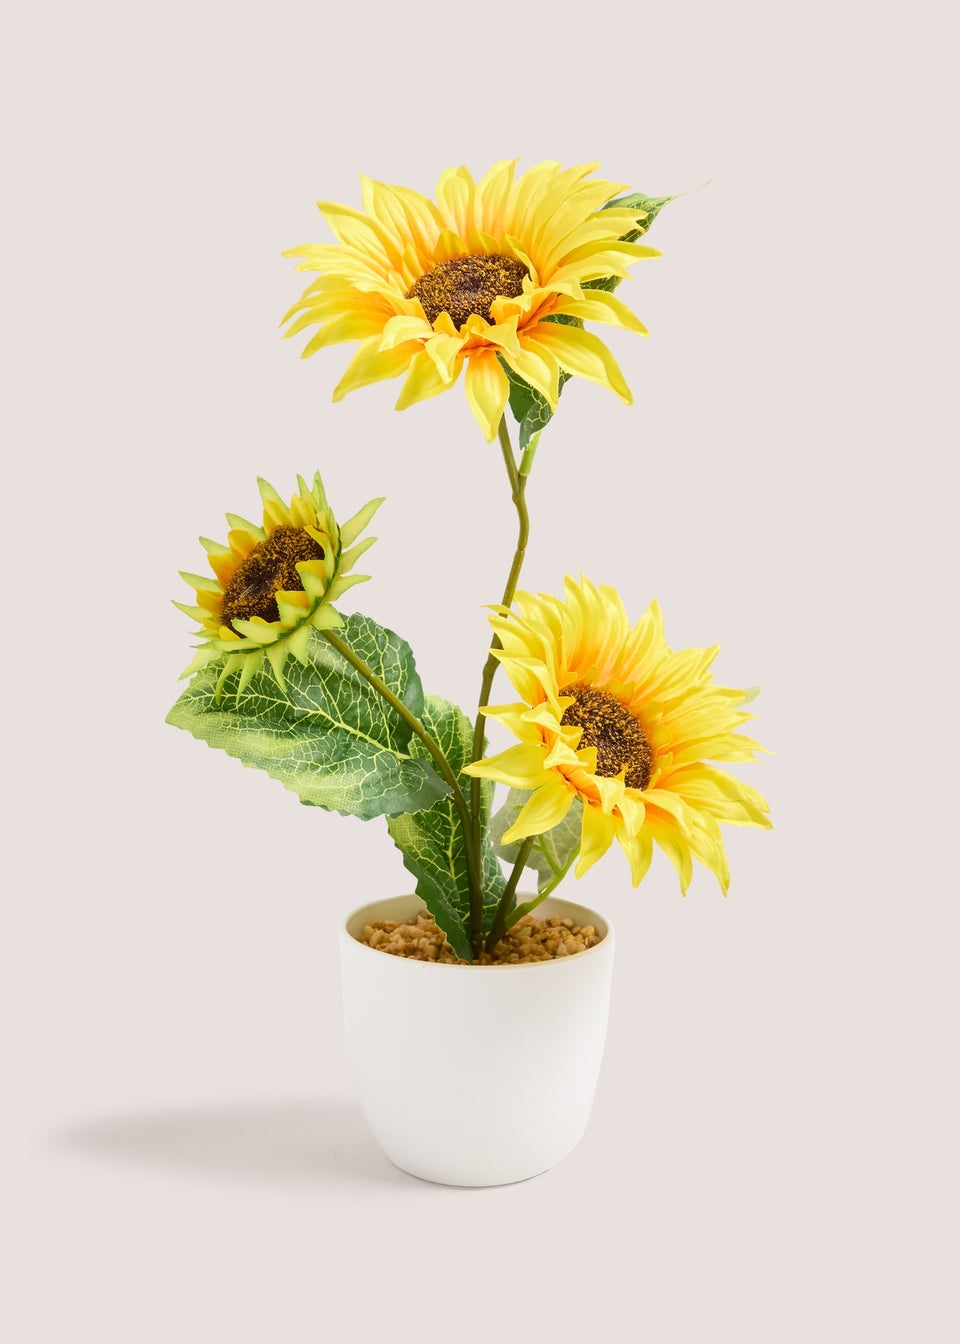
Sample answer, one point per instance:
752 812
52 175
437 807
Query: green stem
439 759
529 453
546 891
518 486
499 926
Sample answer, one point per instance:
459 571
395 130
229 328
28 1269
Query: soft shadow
306 1143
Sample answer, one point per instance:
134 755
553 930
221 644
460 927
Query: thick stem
518 486
439 759
499 926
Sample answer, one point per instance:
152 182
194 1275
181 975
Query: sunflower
495 270
613 716
275 583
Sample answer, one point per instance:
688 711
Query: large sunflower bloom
611 715
274 584
480 276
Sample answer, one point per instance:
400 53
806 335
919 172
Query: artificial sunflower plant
619 737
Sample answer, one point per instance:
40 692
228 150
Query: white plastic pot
475 1075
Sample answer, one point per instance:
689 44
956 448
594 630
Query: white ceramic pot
475 1075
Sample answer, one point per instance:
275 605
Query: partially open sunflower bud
276 583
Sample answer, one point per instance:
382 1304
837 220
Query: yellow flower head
481 275
613 716
275 583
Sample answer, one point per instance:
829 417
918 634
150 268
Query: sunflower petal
371 365
351 529
519 767
545 808
599 306
639 850
585 355
596 838
487 389
423 380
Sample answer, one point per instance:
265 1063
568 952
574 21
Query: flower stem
529 453
439 759
544 891
499 926
518 486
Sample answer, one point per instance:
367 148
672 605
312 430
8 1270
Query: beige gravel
531 940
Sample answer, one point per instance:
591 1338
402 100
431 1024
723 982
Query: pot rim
605 944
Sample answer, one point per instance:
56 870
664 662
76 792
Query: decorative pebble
531 940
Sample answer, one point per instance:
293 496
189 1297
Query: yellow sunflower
275 583
481 275
613 716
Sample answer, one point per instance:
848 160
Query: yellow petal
599 306
583 354
405 213
487 389
445 351
537 365
424 380
370 365
400 329
639 851
514 719
518 767
545 808
349 327
493 191
357 230
596 837
672 841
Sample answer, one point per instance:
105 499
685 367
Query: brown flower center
266 571
609 726
467 285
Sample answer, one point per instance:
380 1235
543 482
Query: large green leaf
432 841
552 852
327 735
530 408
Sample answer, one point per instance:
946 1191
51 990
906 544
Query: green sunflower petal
349 558
351 529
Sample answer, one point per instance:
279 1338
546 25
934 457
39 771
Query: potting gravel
531 939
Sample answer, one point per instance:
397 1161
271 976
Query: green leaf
552 852
636 200
432 841
328 736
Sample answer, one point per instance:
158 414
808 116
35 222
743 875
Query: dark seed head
467 285
268 570
610 727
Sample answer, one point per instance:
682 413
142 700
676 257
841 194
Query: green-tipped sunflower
276 583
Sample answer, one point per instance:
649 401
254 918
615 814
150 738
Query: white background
772 1155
